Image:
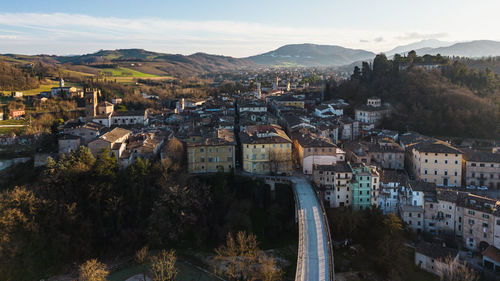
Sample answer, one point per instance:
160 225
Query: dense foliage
85 206
455 101
13 78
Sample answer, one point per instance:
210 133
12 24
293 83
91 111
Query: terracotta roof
480 156
435 251
492 253
435 147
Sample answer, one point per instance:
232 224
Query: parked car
482 187
470 187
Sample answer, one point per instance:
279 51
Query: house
211 152
16 113
482 168
413 216
286 101
312 149
430 257
105 107
68 143
114 141
86 131
1 115
391 182
116 101
373 112
479 221
491 259
144 146
435 161
17 95
365 185
334 182
266 149
252 106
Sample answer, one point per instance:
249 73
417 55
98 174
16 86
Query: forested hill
453 101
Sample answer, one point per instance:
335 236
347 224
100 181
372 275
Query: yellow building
288 101
213 152
435 161
266 149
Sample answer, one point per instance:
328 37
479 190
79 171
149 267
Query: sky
237 28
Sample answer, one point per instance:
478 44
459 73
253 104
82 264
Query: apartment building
334 181
479 221
436 162
266 149
312 149
482 168
384 153
211 152
373 112
365 185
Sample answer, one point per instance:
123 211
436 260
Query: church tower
91 103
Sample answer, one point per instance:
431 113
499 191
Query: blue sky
237 28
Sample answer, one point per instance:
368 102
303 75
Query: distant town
279 128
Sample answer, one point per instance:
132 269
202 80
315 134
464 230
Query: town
284 130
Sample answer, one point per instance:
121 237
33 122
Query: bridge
315 254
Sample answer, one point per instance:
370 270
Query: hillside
140 63
478 48
310 55
423 44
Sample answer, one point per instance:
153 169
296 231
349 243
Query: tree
241 254
93 270
269 269
356 75
450 269
163 266
141 257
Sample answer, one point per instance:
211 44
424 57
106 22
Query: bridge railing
331 265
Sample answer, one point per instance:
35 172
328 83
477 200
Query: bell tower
91 103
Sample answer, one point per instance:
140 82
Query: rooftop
435 251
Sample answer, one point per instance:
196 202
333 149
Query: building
266 149
334 182
365 185
373 112
252 106
386 154
16 113
17 95
114 141
105 107
211 152
91 96
287 101
391 182
482 168
68 143
429 256
85 131
413 216
435 161
312 149
479 221
144 146
491 259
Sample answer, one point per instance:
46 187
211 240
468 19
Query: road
312 263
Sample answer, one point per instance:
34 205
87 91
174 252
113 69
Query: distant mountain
309 55
428 43
143 61
478 48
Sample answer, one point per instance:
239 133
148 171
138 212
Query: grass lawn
124 72
187 272
12 122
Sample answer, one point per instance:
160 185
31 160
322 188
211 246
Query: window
202 159
485 225
435 161
445 172
446 161
473 164
471 222
435 172
486 216
481 165
209 159
262 146
456 162
426 160
263 156
471 212
202 150
254 157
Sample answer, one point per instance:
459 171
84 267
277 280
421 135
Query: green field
124 72
7 130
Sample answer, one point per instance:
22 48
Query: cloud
416 35
62 33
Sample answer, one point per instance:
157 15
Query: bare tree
269 269
141 258
93 270
450 269
243 260
163 266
